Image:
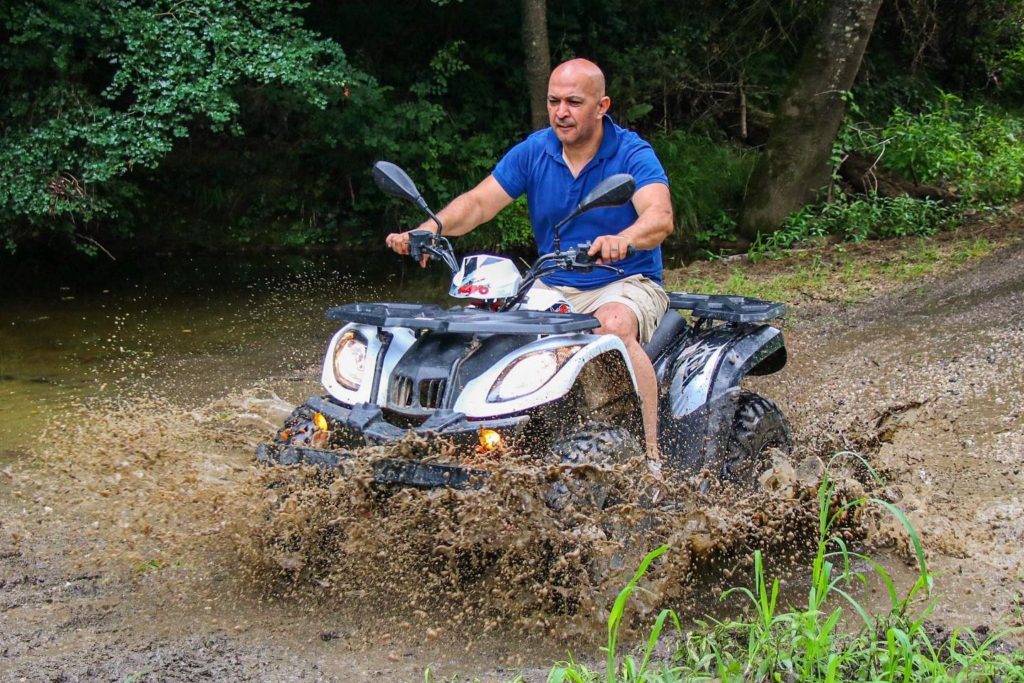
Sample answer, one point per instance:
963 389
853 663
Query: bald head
577 104
582 72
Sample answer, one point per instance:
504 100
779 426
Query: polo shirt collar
609 141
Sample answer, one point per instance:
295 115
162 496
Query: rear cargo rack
734 309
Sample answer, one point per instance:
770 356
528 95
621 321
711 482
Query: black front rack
462 320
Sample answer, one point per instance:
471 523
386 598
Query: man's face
575 106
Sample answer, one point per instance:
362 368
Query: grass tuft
806 643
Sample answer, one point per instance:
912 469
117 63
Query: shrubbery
707 179
975 152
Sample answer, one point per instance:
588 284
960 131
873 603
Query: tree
93 90
538 59
794 164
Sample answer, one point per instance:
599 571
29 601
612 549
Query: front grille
401 392
431 391
405 393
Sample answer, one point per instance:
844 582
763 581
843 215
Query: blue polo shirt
535 166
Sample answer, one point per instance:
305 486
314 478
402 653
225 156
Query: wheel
593 444
758 427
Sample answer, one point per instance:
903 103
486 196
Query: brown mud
141 542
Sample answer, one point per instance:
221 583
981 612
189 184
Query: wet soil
139 542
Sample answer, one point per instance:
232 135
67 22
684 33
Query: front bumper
365 424
367 420
387 471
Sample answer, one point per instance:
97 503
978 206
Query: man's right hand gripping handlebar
410 243
611 248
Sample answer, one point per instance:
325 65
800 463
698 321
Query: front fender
473 400
717 361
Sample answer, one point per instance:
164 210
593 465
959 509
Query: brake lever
604 266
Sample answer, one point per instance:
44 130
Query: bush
978 151
707 180
860 218
96 93
868 217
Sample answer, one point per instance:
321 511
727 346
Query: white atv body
517 369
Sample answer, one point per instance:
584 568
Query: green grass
806 642
841 274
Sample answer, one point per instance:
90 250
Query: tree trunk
538 59
795 163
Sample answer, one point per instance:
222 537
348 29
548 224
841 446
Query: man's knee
618 319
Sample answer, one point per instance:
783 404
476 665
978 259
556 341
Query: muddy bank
138 540
928 382
146 527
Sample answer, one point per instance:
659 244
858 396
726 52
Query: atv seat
671 326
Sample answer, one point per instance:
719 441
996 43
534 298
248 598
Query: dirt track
126 566
928 383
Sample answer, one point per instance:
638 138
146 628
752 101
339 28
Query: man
555 168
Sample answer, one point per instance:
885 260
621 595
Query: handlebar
582 257
433 246
418 239
575 258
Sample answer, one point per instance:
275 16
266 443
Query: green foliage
514 227
94 91
1002 48
706 179
807 643
429 142
232 122
860 218
671 64
976 150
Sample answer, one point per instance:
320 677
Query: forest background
220 124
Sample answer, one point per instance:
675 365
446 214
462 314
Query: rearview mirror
394 181
612 191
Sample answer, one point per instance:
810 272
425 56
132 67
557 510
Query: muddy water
193 328
138 522
139 540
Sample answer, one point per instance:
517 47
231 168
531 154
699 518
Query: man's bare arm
464 213
654 223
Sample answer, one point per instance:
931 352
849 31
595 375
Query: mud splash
500 558
143 522
149 485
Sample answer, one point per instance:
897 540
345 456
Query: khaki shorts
640 294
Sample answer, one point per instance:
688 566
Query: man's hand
610 248
399 243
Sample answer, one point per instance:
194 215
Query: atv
518 371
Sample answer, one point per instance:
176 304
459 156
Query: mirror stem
422 203
559 224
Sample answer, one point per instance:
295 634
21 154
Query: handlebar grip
582 257
417 240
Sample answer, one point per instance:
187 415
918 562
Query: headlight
350 360
529 373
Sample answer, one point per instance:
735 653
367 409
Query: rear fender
473 400
717 361
393 345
